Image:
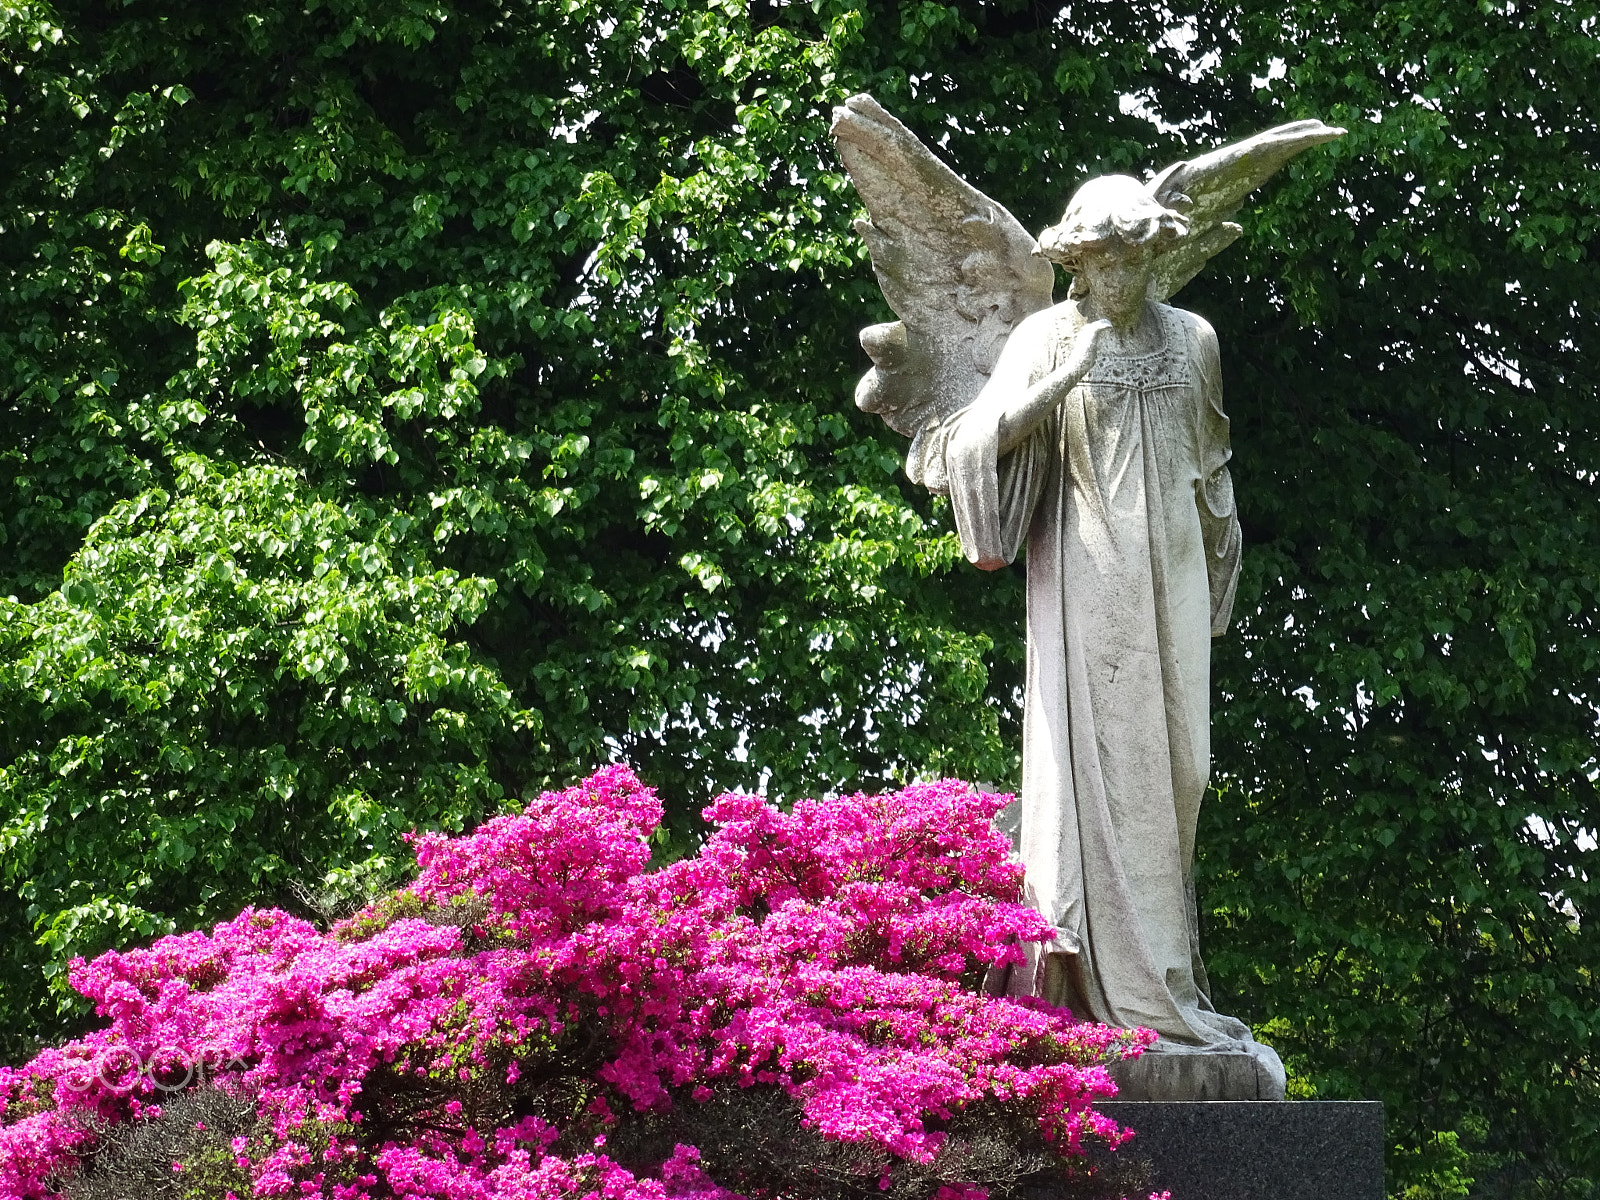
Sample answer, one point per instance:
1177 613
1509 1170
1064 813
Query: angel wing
956 267
960 271
1210 189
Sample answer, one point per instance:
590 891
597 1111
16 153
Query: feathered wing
1210 189
956 267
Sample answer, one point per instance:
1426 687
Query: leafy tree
413 402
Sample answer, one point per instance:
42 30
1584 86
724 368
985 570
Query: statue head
1113 228
1110 210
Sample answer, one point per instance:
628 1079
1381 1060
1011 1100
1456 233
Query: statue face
1118 275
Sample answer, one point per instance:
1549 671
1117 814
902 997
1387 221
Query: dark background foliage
414 402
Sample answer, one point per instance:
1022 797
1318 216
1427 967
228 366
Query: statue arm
1219 518
994 478
1020 410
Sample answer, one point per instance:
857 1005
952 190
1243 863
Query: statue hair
1112 208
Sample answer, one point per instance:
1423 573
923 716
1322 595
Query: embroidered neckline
1167 366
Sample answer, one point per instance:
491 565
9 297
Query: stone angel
1091 431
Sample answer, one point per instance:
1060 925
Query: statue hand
1084 349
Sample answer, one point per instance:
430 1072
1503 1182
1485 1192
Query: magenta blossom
490 1031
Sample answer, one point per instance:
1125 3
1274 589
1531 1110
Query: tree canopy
412 403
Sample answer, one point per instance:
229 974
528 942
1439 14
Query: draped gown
1125 502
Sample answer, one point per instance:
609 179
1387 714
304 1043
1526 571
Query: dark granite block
1258 1150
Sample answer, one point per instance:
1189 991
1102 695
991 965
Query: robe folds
1124 500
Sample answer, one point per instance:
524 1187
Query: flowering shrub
792 1012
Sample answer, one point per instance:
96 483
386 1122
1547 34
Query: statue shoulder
1057 321
1193 323
1039 331
1047 318
1205 356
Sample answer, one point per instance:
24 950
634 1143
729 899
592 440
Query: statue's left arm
1219 518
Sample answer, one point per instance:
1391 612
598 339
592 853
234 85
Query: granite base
1257 1150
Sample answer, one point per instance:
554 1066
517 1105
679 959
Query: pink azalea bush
793 1011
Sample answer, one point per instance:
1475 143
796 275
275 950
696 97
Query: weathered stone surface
1092 431
1325 1150
1202 1073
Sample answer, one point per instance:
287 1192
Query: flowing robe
1124 498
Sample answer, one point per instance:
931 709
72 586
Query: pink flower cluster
829 952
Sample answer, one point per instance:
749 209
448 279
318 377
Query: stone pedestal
1257 1150
1168 1072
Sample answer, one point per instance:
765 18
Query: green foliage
1404 841
412 402
228 683
1437 1169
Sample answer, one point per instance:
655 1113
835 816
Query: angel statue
1093 432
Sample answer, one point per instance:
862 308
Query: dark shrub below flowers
792 1013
